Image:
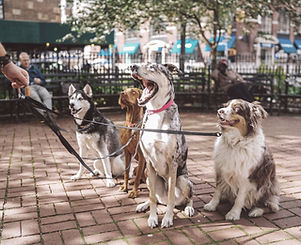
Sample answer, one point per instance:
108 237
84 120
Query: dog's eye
80 98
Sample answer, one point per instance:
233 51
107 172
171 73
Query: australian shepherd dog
244 166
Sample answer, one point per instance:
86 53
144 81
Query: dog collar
166 106
129 124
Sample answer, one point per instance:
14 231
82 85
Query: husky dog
244 166
165 154
101 139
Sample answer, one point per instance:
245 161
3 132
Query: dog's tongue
145 94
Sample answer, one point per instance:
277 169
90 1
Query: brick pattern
34 10
40 204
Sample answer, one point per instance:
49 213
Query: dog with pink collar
165 154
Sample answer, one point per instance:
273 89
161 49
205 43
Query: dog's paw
189 211
152 221
133 194
167 221
110 183
75 177
256 212
97 172
273 206
210 207
142 207
233 215
123 188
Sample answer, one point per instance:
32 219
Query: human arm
18 76
234 77
38 77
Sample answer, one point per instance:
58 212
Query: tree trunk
183 39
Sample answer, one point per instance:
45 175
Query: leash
39 105
119 151
49 121
53 126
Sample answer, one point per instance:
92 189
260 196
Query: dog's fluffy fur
165 154
128 100
100 139
245 169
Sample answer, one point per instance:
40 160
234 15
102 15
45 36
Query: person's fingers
16 83
26 76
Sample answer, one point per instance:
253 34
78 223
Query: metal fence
78 61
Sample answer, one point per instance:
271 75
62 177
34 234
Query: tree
208 18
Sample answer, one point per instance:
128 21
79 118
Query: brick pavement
39 204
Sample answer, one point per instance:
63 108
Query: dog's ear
88 90
173 69
71 90
257 114
120 102
140 92
258 110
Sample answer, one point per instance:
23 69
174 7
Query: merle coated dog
244 166
165 154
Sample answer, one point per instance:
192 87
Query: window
158 27
132 34
266 25
1 10
284 23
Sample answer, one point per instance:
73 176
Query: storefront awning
298 43
287 45
40 33
108 51
130 48
221 44
154 46
190 45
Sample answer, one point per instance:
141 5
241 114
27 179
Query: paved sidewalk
39 204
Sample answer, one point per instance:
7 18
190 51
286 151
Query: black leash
33 105
47 118
39 105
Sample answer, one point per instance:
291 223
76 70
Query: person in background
18 76
230 82
36 81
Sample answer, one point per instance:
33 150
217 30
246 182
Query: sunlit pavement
41 205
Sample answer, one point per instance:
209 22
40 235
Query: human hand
37 80
18 76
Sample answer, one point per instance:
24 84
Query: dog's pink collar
166 106
129 124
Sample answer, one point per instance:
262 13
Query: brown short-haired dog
134 114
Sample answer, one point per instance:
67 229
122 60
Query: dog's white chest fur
236 157
157 147
89 140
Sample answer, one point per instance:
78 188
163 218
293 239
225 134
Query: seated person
36 81
230 82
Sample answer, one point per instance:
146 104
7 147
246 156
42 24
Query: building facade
267 39
31 10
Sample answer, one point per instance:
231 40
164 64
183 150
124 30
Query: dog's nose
221 111
134 68
71 105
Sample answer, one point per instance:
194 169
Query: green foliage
203 17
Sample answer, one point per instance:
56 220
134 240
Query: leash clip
20 94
